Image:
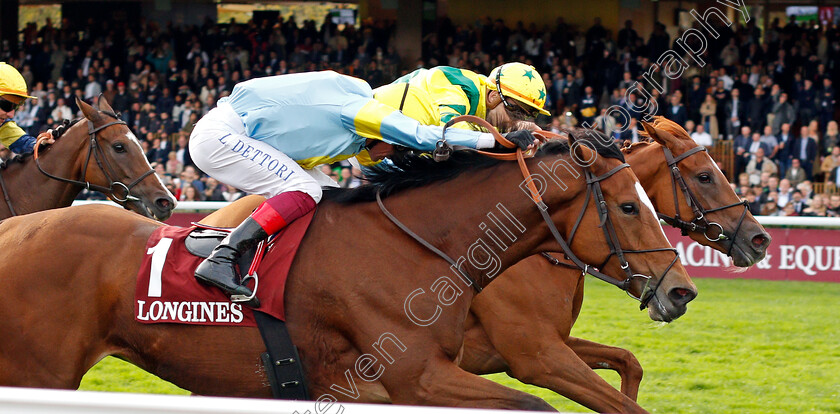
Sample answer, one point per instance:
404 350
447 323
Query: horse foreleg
442 383
599 356
550 363
478 354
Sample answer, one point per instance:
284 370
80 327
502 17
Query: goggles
8 106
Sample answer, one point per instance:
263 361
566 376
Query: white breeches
220 148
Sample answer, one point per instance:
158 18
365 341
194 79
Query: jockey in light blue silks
268 136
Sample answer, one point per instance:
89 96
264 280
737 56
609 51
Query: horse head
613 227
120 166
698 199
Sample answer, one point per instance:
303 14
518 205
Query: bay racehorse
540 300
358 287
98 152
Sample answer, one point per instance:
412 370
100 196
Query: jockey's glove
522 138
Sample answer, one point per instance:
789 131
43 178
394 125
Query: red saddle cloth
167 291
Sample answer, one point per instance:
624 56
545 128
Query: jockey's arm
371 119
18 141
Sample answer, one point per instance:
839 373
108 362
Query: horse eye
704 178
119 147
629 209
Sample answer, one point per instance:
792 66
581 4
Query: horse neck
648 163
483 220
30 190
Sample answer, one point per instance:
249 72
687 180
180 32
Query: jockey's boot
219 269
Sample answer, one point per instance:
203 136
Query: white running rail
41 401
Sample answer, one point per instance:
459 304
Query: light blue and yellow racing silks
322 117
448 92
15 139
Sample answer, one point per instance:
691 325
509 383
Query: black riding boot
219 269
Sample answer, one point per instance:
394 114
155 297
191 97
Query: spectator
758 109
798 202
788 211
805 150
701 137
786 141
834 177
760 165
817 208
830 162
61 111
191 193
708 111
588 107
213 190
831 138
741 147
826 102
782 113
676 111
795 174
833 209
785 193
770 142
736 112
605 122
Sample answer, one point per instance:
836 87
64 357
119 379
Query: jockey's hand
523 139
526 125
46 138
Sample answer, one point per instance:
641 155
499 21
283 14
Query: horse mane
418 170
59 132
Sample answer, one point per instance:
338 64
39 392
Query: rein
103 164
593 187
699 222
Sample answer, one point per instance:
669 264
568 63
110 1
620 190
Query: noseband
700 222
117 190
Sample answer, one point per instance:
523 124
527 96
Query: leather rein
593 189
101 161
700 222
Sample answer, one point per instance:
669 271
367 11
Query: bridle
116 190
700 222
593 191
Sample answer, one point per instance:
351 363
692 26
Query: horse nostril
681 296
759 240
163 204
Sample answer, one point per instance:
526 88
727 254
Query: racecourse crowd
770 93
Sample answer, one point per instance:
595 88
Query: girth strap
282 362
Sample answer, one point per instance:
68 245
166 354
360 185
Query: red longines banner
794 254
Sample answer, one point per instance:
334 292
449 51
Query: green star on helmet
542 94
529 74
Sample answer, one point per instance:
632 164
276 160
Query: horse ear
89 111
653 133
103 104
583 155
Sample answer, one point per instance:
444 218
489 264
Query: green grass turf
744 346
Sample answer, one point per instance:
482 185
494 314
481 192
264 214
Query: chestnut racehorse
360 299
547 304
98 152
538 300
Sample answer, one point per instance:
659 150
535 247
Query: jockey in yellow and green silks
268 136
13 93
